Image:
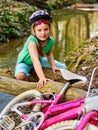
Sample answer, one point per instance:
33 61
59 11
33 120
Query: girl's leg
22 71
44 62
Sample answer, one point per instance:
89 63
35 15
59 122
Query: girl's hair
32 29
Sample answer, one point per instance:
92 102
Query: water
4 99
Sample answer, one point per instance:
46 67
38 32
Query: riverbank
84 59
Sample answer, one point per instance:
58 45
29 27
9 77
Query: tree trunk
15 87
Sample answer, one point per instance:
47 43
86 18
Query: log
15 87
33 77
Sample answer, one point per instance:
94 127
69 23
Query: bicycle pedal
7 123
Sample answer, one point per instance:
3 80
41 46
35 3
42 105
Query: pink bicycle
30 111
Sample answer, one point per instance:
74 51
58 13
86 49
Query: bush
14 19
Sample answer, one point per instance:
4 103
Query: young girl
38 45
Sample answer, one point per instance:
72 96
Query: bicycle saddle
70 76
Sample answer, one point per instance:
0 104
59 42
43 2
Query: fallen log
15 87
75 6
33 77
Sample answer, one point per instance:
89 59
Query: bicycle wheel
69 125
13 117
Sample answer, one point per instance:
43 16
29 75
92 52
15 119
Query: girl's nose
43 32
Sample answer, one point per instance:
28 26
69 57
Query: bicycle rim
69 125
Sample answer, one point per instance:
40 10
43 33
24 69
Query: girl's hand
54 69
42 82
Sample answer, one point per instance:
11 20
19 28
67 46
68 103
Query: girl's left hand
54 69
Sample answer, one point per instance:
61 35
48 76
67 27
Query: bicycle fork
87 118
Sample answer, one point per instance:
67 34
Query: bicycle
48 112
91 110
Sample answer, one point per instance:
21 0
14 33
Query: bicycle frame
70 110
63 111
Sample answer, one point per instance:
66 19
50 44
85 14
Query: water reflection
9 52
69 29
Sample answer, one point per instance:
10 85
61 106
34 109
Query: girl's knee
21 76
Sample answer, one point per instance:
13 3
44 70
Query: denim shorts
25 68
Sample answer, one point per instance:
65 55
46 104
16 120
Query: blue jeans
25 68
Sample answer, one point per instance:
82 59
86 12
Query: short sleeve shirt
24 56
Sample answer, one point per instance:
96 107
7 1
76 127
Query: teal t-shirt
24 56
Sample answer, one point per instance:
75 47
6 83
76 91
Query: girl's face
42 31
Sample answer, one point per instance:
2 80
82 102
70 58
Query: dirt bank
84 60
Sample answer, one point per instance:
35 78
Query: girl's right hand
42 82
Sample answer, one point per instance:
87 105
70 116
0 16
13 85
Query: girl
38 45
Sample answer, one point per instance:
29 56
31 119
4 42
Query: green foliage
14 19
55 3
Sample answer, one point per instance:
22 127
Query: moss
85 56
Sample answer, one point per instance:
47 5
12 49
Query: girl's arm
36 63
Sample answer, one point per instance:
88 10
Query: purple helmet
39 14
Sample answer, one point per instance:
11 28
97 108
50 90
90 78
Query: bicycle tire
19 98
34 94
69 125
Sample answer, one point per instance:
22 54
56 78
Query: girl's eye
39 30
46 29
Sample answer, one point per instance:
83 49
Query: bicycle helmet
39 14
